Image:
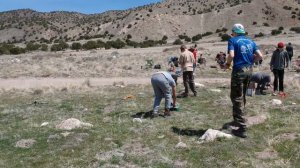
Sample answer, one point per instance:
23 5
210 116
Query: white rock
276 102
293 103
211 135
181 145
65 134
215 90
199 85
25 143
72 123
160 136
44 124
137 120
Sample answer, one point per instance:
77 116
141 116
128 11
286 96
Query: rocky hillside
169 18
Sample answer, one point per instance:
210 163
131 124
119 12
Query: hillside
168 18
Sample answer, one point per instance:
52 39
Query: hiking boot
195 94
241 132
184 95
167 113
154 114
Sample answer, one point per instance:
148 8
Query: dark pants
188 79
239 83
278 75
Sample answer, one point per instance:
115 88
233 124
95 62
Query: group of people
242 51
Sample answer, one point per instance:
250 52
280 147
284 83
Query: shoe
185 95
274 94
282 94
154 114
167 113
195 94
241 132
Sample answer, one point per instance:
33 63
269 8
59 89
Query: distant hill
169 18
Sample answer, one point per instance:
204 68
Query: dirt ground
114 67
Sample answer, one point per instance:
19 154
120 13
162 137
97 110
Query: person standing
290 51
164 86
186 61
241 50
279 61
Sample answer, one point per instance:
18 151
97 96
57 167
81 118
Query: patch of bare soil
267 154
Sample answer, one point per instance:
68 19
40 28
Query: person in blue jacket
241 52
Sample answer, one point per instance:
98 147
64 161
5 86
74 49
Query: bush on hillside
32 46
177 42
76 46
225 37
295 29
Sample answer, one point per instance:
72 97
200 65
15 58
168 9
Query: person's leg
281 76
275 83
239 84
185 83
192 83
155 81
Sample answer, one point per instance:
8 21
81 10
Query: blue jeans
162 89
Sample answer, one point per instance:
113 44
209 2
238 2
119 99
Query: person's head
290 43
182 48
280 45
238 29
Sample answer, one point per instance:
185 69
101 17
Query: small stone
181 145
276 102
25 143
138 120
44 124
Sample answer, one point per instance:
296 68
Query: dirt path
28 83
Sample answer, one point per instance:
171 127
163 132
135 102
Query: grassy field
116 140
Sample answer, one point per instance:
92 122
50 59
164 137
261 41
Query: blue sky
82 6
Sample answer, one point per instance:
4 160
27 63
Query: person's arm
229 59
259 55
174 95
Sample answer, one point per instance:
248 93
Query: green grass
147 144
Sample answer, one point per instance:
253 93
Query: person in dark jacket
279 61
262 80
290 51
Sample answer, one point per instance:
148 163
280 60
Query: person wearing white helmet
241 52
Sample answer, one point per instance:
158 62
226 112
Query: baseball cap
280 45
238 28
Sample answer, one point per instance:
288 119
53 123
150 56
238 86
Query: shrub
116 44
90 45
259 34
295 29
266 24
177 42
60 46
225 37
17 50
281 28
76 46
32 46
197 37
276 32
44 47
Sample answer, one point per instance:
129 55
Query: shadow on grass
188 131
147 114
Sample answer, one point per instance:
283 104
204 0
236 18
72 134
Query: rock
65 134
181 145
211 135
254 120
198 85
25 143
276 102
72 123
215 90
138 120
44 124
